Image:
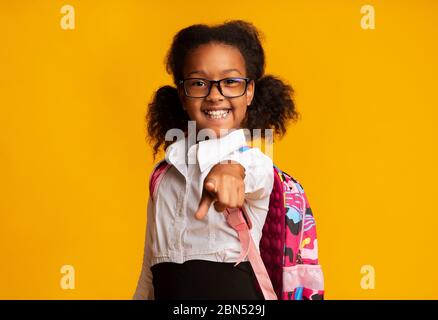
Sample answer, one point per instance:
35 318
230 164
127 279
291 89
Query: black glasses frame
211 83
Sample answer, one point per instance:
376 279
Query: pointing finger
204 205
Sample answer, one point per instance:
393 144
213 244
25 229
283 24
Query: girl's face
214 62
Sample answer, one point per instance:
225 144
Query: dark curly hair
272 105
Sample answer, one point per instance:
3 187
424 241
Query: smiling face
214 62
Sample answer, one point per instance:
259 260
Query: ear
250 91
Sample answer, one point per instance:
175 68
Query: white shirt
173 234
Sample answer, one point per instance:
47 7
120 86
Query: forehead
214 60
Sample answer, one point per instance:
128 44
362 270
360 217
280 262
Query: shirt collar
208 151
176 152
212 151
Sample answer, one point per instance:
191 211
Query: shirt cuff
259 172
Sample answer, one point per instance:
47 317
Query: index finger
204 205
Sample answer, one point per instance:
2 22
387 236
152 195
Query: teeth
217 114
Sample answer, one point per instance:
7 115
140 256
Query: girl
190 250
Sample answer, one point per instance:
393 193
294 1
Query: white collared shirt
173 234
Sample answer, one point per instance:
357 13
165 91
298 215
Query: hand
224 185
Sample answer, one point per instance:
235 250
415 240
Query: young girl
190 250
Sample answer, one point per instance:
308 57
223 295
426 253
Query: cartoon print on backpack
293 216
304 294
293 223
294 204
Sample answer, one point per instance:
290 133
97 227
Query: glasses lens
233 87
196 87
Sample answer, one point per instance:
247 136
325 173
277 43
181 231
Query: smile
217 114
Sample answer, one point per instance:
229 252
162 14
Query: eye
197 83
233 82
230 81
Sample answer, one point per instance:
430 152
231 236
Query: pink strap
236 220
156 176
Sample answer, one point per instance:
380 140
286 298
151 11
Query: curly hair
272 105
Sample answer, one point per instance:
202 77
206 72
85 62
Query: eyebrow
224 71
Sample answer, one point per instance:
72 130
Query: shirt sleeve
259 172
145 289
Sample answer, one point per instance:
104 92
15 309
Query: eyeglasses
228 87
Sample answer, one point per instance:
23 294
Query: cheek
240 109
193 107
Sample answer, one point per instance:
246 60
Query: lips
217 113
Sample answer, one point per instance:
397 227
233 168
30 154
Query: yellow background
74 162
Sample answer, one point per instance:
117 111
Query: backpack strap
156 176
236 220
240 221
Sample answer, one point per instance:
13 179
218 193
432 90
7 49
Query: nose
214 92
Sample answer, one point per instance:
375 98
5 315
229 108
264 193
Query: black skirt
205 280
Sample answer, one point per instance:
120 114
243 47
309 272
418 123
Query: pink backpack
287 266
